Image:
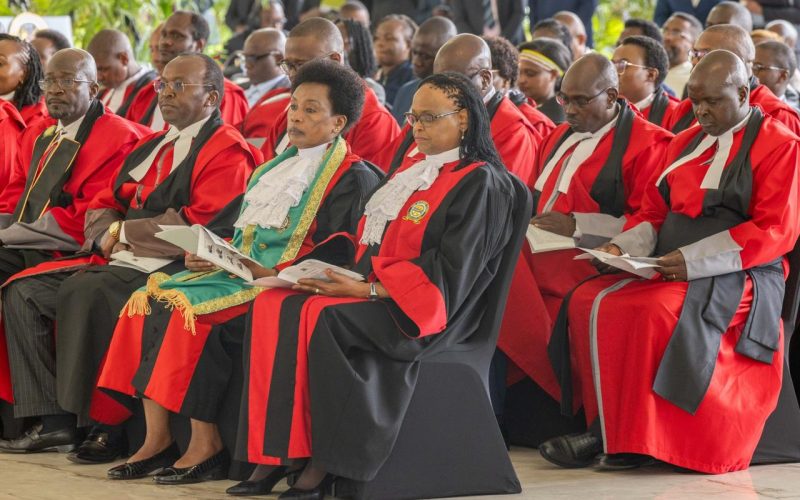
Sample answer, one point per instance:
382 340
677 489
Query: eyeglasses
254 58
426 118
63 83
757 68
698 54
176 87
291 67
622 65
580 101
675 33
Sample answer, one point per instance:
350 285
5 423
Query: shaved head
719 91
70 104
730 13
427 41
592 72
728 37
576 29
589 92
326 35
109 42
438 28
469 55
113 56
785 29
78 59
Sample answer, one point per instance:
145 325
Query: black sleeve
222 223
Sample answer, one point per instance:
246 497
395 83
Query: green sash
196 294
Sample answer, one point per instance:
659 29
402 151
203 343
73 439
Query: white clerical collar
724 143
315 153
489 95
445 156
183 144
8 97
71 130
190 131
646 102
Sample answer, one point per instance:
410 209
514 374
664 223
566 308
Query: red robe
617 348
367 138
514 137
233 107
264 114
542 280
760 96
672 104
540 122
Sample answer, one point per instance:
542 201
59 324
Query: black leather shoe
212 469
317 493
262 486
62 440
98 448
143 468
572 451
622 461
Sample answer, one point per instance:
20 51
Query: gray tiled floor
50 476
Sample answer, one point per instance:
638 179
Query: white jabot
646 102
157 123
387 201
488 97
183 143
114 97
723 142
586 144
71 130
281 188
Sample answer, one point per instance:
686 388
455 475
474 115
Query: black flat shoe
98 448
212 469
572 451
317 493
143 468
33 441
262 486
623 461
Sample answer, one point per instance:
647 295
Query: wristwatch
115 228
373 292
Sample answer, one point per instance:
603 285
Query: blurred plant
609 20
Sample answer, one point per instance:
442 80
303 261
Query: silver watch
373 291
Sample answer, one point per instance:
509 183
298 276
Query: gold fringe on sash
138 304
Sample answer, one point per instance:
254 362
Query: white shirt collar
71 130
646 102
8 97
114 97
488 97
256 91
448 156
183 144
315 153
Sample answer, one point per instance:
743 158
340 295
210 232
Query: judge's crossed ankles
185 175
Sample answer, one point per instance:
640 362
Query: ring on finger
316 291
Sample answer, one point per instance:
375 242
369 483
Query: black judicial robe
331 378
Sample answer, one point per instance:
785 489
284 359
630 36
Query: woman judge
173 358
343 355
542 64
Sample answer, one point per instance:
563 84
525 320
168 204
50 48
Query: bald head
719 91
727 37
324 33
109 42
438 28
730 13
76 60
113 57
427 41
70 104
576 29
469 55
269 41
589 93
785 29
592 73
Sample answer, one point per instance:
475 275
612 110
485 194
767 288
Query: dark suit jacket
665 8
468 17
418 10
542 9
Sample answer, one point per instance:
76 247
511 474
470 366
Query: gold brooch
417 211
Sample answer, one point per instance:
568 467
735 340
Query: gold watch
114 229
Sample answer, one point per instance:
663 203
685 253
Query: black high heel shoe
262 486
143 468
317 493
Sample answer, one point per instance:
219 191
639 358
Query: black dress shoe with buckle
143 468
263 486
34 441
98 448
317 493
622 461
212 469
572 451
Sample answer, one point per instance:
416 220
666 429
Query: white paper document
640 266
125 258
308 269
545 241
199 241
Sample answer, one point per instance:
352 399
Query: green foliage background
610 17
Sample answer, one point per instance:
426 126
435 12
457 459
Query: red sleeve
640 171
18 173
374 131
234 104
518 151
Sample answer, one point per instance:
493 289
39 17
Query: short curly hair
505 58
345 87
655 56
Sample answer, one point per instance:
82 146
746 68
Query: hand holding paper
640 266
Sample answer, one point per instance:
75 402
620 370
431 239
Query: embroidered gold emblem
417 211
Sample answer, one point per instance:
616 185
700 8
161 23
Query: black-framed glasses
580 101
63 83
623 64
292 66
426 118
254 58
176 87
698 53
757 68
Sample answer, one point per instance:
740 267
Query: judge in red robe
736 40
354 347
686 367
263 115
183 32
592 173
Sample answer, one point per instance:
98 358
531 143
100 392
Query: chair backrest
497 292
791 299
